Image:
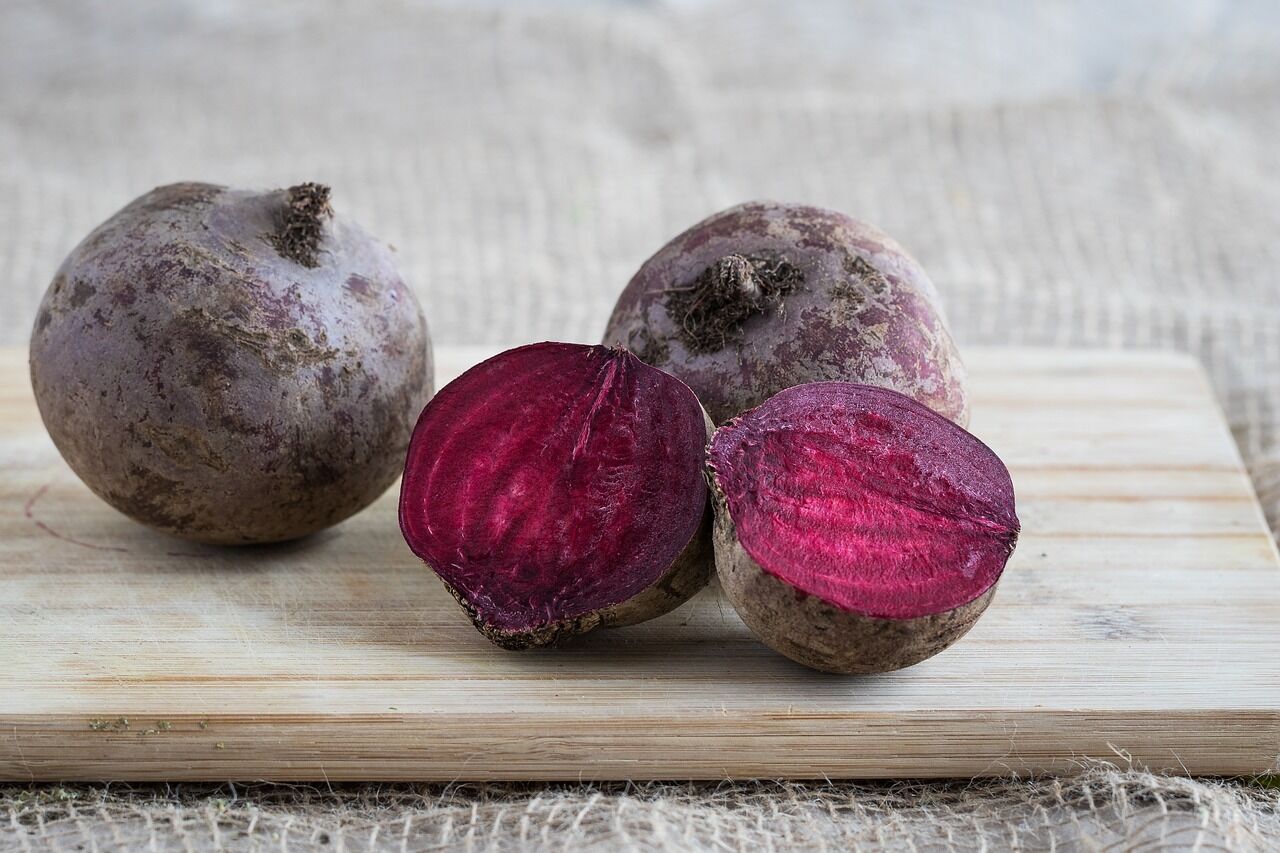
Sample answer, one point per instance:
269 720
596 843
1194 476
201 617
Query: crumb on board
101 724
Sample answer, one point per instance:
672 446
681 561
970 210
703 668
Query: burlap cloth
1076 174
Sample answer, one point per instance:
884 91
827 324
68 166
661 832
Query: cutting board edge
430 749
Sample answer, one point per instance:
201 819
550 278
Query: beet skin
764 296
231 366
856 530
557 488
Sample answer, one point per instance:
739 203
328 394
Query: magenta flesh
554 483
866 499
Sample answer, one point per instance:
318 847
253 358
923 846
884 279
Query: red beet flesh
557 487
897 523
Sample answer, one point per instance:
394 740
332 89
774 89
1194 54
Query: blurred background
1067 172
1095 173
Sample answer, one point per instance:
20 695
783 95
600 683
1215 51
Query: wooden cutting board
1139 619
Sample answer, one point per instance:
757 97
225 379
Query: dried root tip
301 224
732 274
710 312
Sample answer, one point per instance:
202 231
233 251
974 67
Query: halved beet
857 530
557 488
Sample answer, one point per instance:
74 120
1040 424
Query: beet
557 488
764 296
231 366
856 530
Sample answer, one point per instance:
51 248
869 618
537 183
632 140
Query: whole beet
231 366
765 296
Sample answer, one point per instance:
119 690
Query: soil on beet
765 296
231 367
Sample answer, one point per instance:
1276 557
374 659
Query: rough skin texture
557 488
856 530
688 574
205 385
819 635
863 311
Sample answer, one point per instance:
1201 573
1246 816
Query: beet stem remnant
710 312
302 224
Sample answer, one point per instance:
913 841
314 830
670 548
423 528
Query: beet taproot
764 296
557 488
231 366
856 530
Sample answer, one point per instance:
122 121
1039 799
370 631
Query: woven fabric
1103 809
1099 173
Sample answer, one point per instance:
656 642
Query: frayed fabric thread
1102 807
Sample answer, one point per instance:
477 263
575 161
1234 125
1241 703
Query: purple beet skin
231 366
764 296
856 530
557 488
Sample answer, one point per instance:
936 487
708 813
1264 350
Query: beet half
856 530
764 296
231 366
556 488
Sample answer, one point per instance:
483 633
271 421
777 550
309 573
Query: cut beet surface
556 488
857 530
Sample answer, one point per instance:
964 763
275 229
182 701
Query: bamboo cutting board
1139 618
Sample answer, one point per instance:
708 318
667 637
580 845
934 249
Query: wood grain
1139 618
